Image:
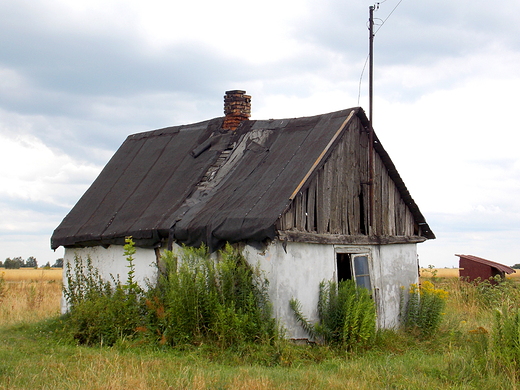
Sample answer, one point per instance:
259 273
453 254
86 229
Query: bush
195 300
424 308
495 292
347 315
506 337
101 312
198 299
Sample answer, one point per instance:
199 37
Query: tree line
30 262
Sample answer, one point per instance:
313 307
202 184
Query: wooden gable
335 204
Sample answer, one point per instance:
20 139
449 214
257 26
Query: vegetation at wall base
199 299
347 315
423 308
196 300
464 353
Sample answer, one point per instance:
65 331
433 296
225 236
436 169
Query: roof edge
500 267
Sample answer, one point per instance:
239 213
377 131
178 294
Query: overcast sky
77 77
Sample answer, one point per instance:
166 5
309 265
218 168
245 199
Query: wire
375 32
390 14
361 80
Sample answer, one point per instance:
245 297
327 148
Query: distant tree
20 261
1 264
31 262
58 263
47 266
13 263
516 266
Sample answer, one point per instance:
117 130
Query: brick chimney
237 108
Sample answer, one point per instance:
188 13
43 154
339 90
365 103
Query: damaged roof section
199 184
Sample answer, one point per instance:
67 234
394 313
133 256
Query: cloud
34 174
77 77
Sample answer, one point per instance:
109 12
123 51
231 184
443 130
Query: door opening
343 266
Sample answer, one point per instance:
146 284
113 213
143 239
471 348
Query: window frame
354 252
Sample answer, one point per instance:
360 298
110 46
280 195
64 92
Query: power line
361 80
376 6
390 14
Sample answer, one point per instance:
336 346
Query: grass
35 355
29 295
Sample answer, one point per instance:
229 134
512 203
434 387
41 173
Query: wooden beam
339 239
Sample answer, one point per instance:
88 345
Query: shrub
101 312
424 308
506 337
347 315
198 299
83 282
495 292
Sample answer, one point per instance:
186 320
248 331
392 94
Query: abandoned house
308 199
476 268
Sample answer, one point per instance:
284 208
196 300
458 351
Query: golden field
28 274
28 295
453 273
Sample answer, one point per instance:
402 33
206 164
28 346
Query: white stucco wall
295 272
298 272
393 266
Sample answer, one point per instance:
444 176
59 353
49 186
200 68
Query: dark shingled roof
155 187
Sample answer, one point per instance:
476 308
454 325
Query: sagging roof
498 266
157 185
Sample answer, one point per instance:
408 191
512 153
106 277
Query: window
354 266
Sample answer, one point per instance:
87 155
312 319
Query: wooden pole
371 128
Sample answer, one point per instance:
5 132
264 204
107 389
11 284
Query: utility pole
370 112
371 60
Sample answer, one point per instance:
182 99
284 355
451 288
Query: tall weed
506 337
422 313
2 287
83 282
198 298
347 315
101 312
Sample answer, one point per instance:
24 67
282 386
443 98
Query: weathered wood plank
337 239
303 211
321 209
391 207
327 196
384 201
376 215
352 180
297 202
311 207
333 169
